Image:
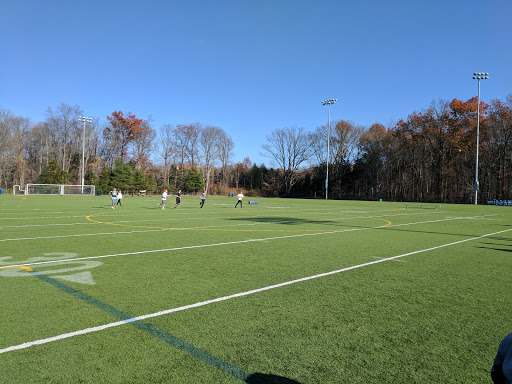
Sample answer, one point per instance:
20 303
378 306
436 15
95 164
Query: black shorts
178 200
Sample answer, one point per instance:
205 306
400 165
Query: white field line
84 234
311 210
229 297
225 243
39 217
45 225
188 228
233 225
117 216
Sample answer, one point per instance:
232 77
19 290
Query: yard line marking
81 234
229 297
37 218
43 225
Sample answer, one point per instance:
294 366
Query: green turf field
286 291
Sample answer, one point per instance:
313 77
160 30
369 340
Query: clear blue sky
251 66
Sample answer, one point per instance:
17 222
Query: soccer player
119 198
178 198
240 198
113 194
164 199
203 196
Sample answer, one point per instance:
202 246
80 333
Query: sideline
229 297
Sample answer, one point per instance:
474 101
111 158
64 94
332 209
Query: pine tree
195 181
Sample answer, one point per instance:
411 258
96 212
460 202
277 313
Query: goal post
59 189
16 190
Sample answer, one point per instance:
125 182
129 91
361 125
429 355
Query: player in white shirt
164 199
240 197
119 198
203 197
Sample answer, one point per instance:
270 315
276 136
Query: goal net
59 189
78 190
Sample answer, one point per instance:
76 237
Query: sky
251 66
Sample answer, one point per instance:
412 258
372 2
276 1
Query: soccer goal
59 189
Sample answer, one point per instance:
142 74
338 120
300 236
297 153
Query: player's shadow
262 378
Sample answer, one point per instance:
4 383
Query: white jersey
240 196
164 196
119 195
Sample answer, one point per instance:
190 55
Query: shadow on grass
261 378
284 220
338 224
497 249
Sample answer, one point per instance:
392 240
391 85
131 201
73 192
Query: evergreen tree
104 183
152 184
139 180
90 178
195 181
123 175
52 174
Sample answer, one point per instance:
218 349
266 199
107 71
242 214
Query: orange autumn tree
464 120
120 134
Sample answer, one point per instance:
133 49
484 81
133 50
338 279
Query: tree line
428 156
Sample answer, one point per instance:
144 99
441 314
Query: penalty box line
233 296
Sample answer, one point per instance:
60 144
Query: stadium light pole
478 76
85 120
328 102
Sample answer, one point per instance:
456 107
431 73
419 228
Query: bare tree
187 141
19 128
345 138
211 145
37 147
319 143
92 146
63 122
143 145
5 143
290 148
167 148
225 152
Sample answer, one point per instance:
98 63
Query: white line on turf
229 297
227 225
225 243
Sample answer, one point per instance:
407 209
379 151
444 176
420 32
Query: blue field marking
152 330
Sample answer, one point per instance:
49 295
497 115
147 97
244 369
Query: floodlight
328 102
479 76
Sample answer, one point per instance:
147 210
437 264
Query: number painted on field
49 265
